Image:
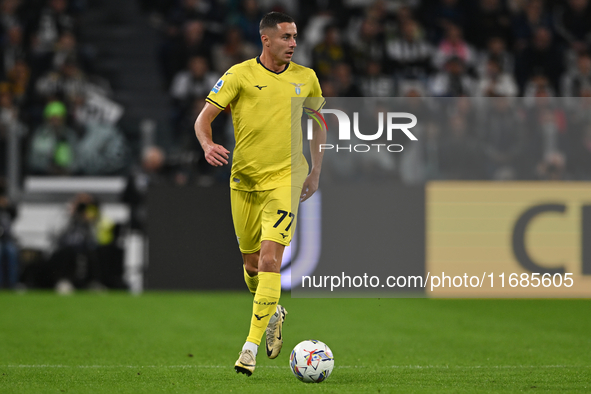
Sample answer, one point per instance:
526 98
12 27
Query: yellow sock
264 304
251 281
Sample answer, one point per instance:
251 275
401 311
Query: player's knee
252 271
269 263
251 264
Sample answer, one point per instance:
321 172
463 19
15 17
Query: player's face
282 42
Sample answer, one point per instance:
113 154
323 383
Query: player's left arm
312 180
316 102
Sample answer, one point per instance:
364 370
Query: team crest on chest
297 87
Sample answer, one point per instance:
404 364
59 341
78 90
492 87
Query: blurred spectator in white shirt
496 50
410 54
53 20
496 83
579 79
195 81
66 82
187 85
453 81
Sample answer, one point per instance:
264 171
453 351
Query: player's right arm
226 89
215 154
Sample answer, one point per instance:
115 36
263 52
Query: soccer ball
311 361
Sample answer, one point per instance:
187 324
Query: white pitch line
276 366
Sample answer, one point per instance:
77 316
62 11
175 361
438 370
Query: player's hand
216 155
310 186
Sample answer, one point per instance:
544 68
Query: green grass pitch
188 343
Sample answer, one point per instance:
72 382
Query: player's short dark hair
272 19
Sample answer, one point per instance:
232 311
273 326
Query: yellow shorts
268 215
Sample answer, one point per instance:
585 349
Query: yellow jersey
268 152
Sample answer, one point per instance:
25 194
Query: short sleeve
315 99
225 90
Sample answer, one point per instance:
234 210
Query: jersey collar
280 72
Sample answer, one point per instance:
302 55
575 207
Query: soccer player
269 172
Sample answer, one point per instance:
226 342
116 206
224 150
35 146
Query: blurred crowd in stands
50 96
65 122
63 113
396 48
